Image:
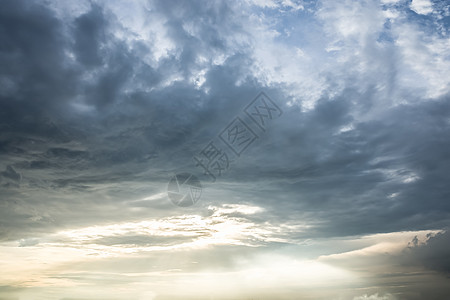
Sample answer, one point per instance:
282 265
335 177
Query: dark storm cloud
82 112
77 112
377 176
32 60
96 116
433 254
11 174
89 36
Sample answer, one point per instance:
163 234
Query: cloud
432 254
102 102
11 174
135 111
423 7
375 297
28 242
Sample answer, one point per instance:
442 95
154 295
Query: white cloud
390 1
278 4
380 244
375 297
423 7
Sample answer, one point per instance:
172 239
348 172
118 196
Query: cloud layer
102 102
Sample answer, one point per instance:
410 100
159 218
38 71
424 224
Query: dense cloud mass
342 195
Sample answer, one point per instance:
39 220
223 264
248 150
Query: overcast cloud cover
344 196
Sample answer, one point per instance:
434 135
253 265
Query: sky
315 135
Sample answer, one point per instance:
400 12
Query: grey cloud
361 168
11 174
433 254
142 240
90 124
28 242
32 56
89 36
